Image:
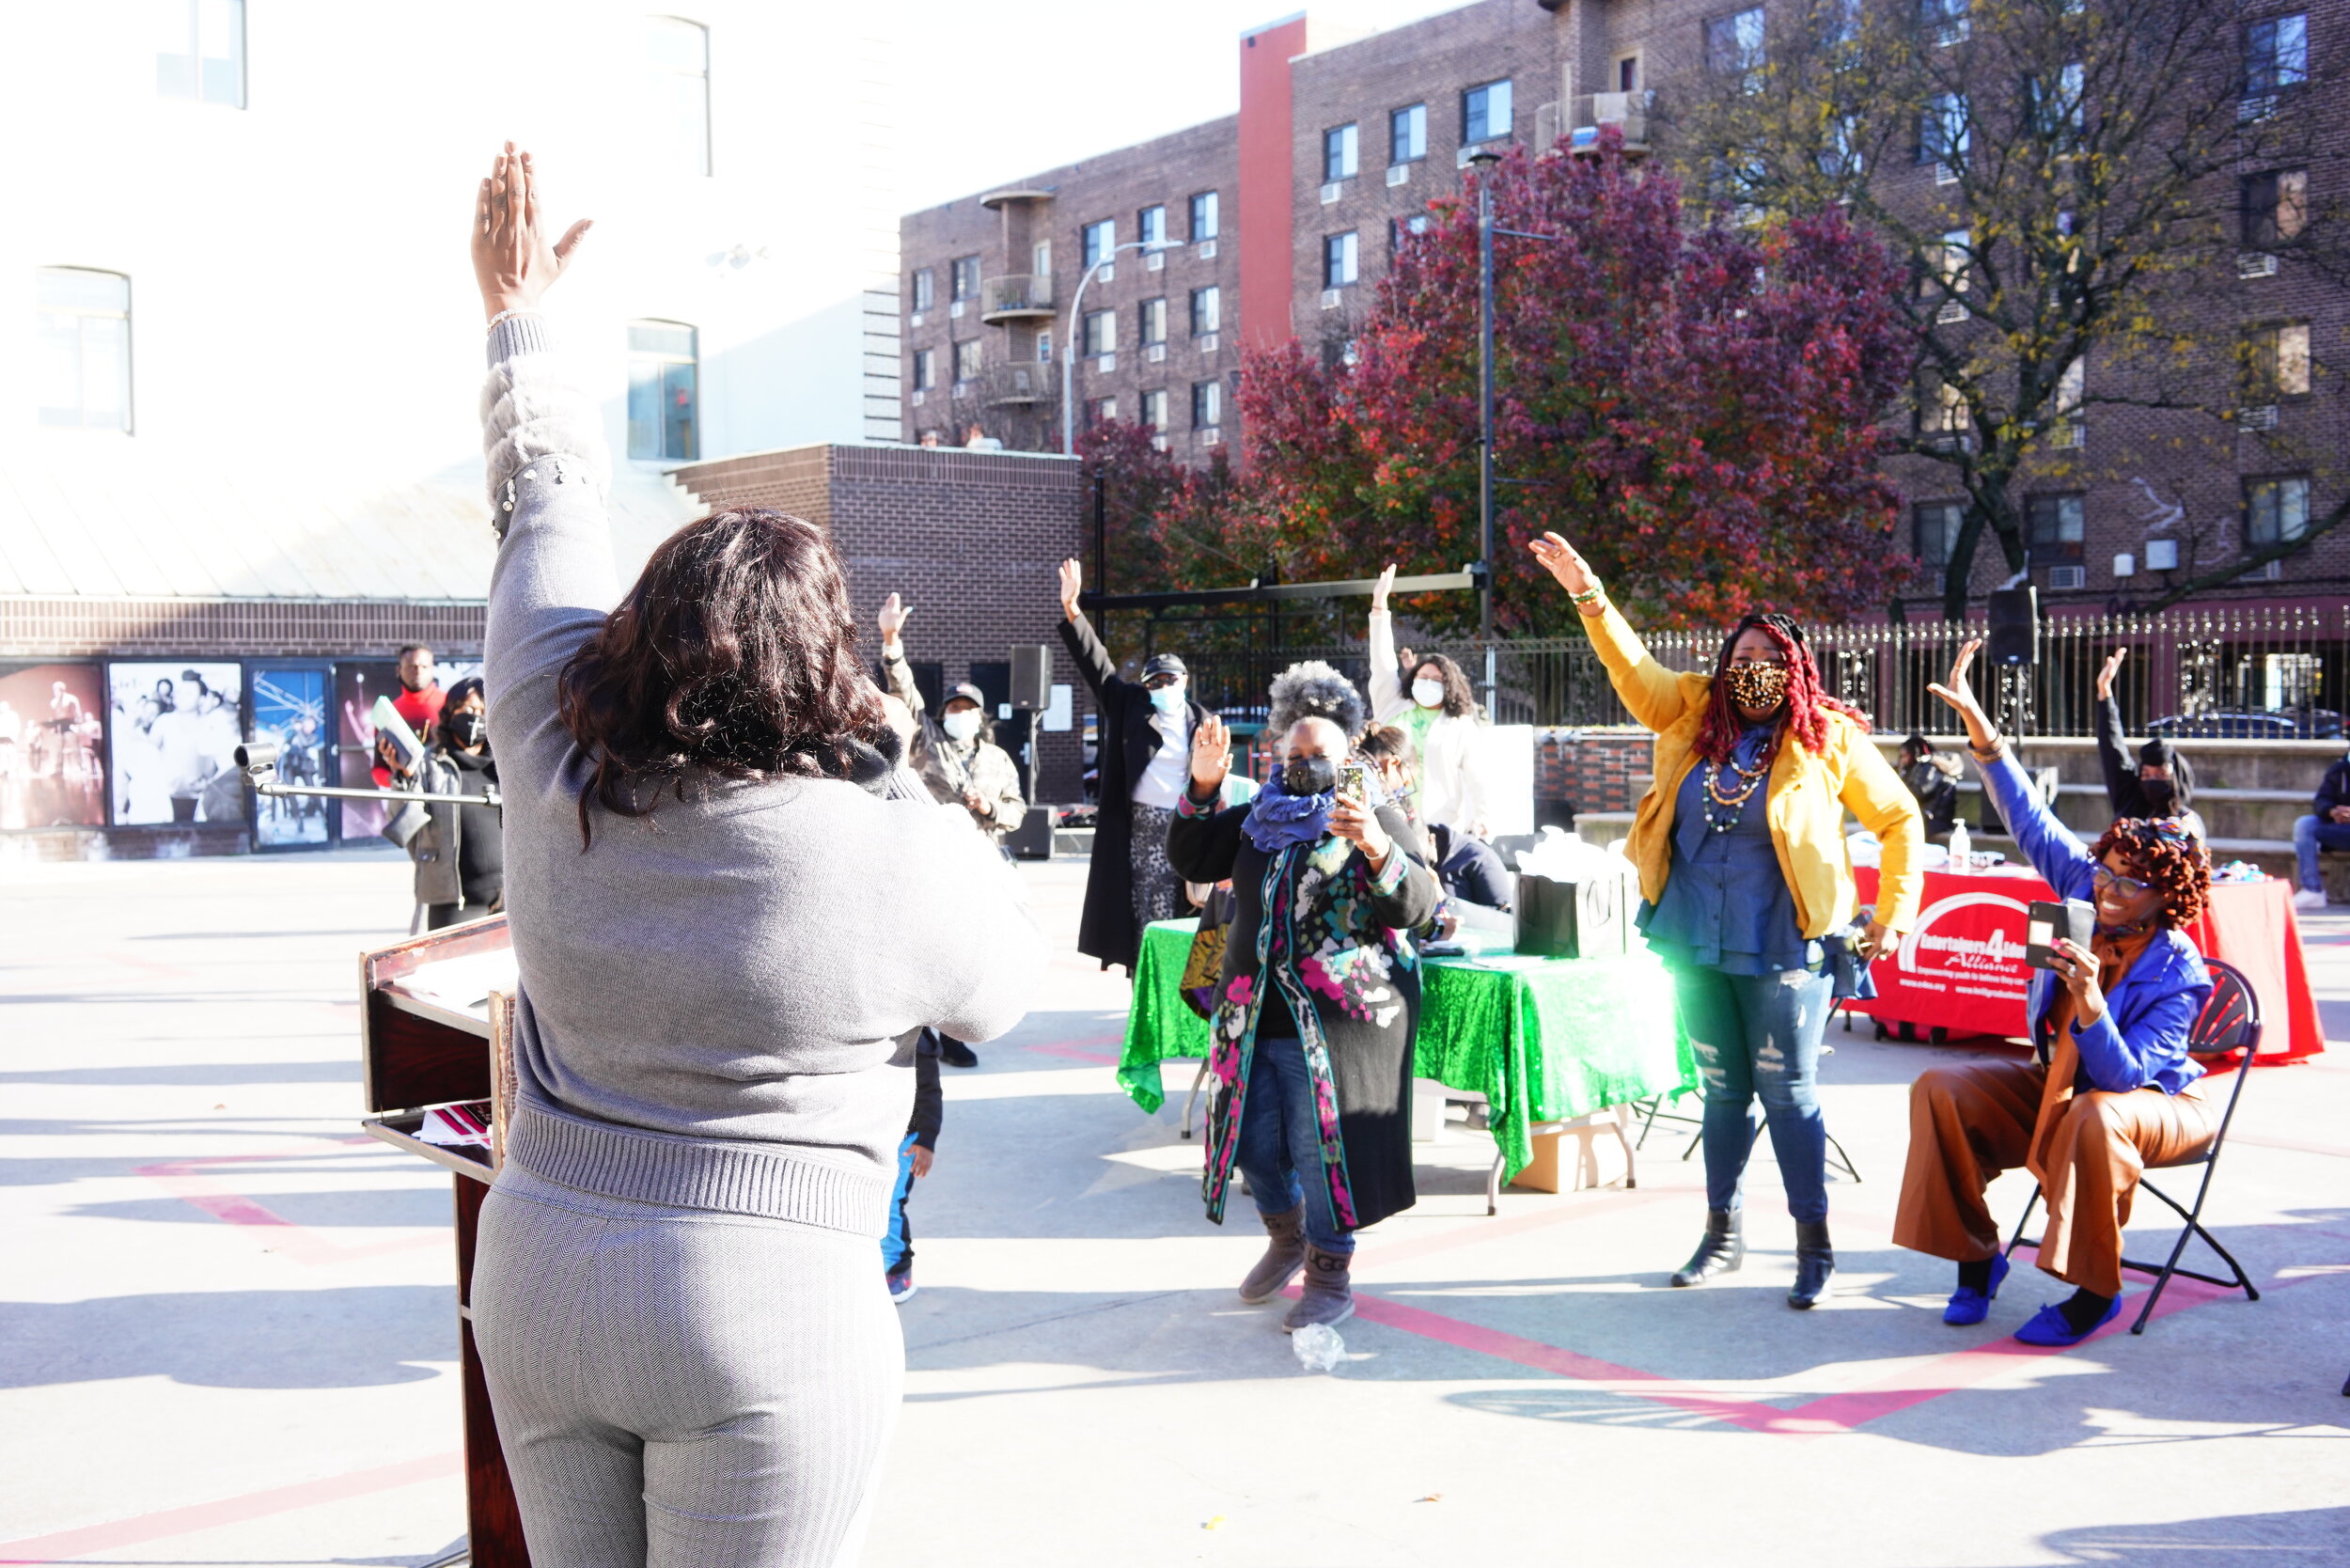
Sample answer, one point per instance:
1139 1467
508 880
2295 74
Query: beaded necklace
1726 808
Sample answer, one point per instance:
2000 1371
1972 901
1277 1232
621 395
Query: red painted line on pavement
64 1545
1077 1053
183 1180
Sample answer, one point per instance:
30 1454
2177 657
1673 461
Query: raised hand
1559 559
892 620
2113 667
1211 756
1072 580
1960 694
1379 592
512 260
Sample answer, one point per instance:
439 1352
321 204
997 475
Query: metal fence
2253 673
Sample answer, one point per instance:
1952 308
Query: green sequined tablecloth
1543 1039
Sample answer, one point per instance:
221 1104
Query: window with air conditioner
1207 404
1337 154
663 368
1338 260
963 278
676 59
1207 311
2055 528
2065 427
1151 227
1407 134
2276 511
1101 411
2277 363
1154 409
1934 531
925 369
925 292
2275 57
199 50
1150 319
1944 22
1943 416
967 360
81 349
1400 229
1101 241
1733 48
1485 113
1203 216
2276 206
1943 131
1947 266
1101 333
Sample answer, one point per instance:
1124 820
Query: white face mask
1167 699
1427 693
961 725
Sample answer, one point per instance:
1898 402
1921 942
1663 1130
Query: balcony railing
1628 112
1017 297
1021 383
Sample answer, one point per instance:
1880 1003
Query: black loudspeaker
1033 839
2015 626
1032 676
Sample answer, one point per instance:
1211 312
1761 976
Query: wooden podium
435 1030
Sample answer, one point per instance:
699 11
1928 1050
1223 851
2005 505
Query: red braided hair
1807 706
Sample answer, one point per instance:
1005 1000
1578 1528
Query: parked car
2243 723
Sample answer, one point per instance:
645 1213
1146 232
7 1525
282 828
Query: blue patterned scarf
1278 819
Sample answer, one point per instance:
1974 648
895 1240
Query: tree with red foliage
1697 407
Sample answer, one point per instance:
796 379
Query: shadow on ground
353 1337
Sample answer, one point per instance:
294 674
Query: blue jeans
1280 1135
1760 1035
897 1243
2311 834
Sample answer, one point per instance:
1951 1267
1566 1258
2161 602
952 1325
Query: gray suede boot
1283 1256
1329 1297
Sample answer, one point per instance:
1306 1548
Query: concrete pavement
227 1334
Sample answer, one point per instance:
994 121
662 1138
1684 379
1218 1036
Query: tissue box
1588 917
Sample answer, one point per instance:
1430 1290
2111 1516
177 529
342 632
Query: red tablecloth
1963 968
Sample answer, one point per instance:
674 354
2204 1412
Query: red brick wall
1594 770
234 628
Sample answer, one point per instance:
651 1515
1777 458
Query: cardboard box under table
437 1048
1555 1046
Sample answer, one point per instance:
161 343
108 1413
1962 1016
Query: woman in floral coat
1312 1051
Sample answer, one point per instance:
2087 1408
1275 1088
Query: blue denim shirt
2140 1041
1725 905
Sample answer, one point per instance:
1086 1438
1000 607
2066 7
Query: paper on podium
462 984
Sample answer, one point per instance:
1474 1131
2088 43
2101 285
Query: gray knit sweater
711 998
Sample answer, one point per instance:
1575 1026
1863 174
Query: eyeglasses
2129 886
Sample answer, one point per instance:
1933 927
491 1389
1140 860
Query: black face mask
2162 796
1309 776
468 730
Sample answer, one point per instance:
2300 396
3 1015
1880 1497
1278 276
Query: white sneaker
2309 898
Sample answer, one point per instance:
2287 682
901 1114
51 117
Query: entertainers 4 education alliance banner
1962 970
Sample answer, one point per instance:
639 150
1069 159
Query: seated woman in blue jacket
2112 1091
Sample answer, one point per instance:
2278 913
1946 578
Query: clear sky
1001 88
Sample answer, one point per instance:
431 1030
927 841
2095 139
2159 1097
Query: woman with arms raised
730 933
1740 845
2113 1091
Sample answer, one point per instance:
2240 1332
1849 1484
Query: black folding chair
2230 1023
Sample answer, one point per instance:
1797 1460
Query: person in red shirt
419 701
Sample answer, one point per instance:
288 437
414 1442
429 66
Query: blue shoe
900 1287
2048 1327
1969 1306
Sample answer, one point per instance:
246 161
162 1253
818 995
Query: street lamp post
1069 340
1485 162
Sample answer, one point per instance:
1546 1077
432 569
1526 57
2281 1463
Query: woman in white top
1439 713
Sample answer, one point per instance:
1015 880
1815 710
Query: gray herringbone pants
676 1388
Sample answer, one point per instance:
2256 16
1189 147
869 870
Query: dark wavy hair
734 655
457 694
2162 854
1460 697
1384 743
1807 707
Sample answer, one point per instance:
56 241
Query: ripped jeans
1760 1035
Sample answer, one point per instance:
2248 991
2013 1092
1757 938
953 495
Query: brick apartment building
1279 223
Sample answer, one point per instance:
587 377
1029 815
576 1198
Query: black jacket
1128 742
2125 791
2332 790
1470 869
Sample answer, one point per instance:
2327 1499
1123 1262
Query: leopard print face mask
1755 686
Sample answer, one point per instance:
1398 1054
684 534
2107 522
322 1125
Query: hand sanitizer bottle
1960 858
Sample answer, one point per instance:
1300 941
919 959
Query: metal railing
2258 673
1015 295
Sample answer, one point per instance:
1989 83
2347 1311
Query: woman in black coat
1312 1036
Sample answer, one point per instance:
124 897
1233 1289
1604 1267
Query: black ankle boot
1815 1260
1722 1250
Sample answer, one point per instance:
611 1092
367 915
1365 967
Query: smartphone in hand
2047 924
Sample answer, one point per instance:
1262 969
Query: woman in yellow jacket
1747 888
